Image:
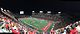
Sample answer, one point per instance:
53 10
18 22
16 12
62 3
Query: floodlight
59 12
21 12
33 11
49 12
41 11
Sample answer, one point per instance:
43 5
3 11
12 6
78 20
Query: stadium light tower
1 9
59 12
33 11
41 11
21 12
49 12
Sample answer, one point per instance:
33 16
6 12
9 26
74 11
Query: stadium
39 17
31 23
37 23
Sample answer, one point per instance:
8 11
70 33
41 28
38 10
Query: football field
35 22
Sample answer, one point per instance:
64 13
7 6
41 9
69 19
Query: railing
8 15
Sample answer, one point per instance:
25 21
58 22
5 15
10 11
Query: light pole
40 11
33 11
21 12
48 12
59 12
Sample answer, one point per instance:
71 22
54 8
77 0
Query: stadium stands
36 24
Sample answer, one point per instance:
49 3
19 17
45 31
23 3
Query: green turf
35 22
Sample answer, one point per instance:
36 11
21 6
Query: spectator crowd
8 25
69 29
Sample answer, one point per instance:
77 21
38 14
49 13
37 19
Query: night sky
69 7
